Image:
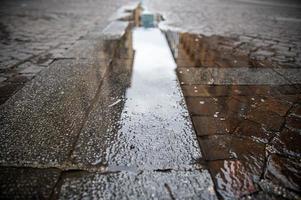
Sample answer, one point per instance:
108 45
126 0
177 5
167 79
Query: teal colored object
147 20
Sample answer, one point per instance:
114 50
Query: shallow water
155 129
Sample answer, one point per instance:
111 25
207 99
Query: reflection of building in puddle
214 51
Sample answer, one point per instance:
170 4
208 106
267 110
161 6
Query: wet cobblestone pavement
93 110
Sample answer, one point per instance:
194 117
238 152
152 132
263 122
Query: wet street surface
247 119
205 106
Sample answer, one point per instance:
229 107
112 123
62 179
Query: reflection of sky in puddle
155 128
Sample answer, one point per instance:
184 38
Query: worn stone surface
33 34
284 171
266 30
232 179
145 185
27 183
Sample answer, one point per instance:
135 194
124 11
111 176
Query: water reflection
155 131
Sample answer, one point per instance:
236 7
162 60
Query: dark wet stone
202 106
296 110
262 196
271 190
249 90
194 76
237 105
19 79
206 91
39 124
292 74
287 89
288 142
144 185
274 105
216 147
27 183
268 119
284 171
293 122
232 179
9 89
211 125
246 76
227 146
253 130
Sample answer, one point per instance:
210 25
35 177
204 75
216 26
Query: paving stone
144 185
211 126
263 195
9 89
55 102
246 76
271 190
27 183
253 130
288 143
293 122
195 76
293 75
202 106
206 91
287 89
2 79
274 105
220 147
232 179
296 110
32 70
268 119
284 171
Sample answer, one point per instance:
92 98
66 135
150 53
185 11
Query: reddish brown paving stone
244 90
274 105
241 107
284 171
232 179
293 122
288 142
202 106
219 147
205 91
193 75
253 130
211 125
270 120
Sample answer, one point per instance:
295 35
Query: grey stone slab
2 79
144 185
231 76
27 183
293 75
31 69
115 29
101 126
39 124
247 76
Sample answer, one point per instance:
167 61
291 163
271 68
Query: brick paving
249 134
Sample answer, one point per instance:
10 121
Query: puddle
155 131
